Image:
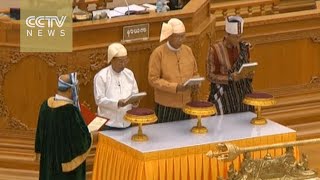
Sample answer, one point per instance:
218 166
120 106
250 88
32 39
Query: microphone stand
127 7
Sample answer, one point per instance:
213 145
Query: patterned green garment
62 140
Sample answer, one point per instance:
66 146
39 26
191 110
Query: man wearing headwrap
62 140
112 85
225 58
170 65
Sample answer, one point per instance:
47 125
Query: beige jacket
167 69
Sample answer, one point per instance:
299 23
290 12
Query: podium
173 152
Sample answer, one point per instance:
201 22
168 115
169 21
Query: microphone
128 11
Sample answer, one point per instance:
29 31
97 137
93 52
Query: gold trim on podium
258 103
199 112
147 119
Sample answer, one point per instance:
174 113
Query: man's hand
250 75
181 88
236 76
136 103
121 103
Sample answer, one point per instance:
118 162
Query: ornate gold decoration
316 39
4 112
4 68
98 59
140 120
258 103
84 75
315 80
14 56
87 105
49 58
268 168
14 123
61 69
199 112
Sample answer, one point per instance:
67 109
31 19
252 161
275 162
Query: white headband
73 85
234 25
174 25
116 50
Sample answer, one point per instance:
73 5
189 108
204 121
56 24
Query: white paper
113 13
194 81
133 7
98 12
110 13
96 124
150 6
247 67
135 97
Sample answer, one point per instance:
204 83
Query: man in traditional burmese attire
112 85
62 138
170 65
225 58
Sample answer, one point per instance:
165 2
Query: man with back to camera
62 141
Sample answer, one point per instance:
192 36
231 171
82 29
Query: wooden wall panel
286 63
26 85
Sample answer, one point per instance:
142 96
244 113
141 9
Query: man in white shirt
112 85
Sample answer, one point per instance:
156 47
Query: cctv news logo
45 26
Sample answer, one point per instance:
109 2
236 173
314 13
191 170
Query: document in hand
194 81
96 123
247 68
135 97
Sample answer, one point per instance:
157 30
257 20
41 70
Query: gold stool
140 116
258 100
199 109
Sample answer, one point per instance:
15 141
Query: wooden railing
244 8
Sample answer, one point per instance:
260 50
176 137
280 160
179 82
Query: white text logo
48 22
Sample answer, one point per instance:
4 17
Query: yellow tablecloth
115 160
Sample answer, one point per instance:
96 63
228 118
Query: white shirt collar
172 48
62 98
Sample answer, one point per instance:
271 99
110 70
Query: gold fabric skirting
115 161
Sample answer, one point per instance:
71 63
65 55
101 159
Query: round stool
259 100
199 109
140 116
